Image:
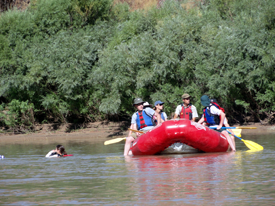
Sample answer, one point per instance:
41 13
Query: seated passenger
213 116
141 120
58 152
186 110
158 108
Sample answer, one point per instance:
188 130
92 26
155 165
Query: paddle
234 127
237 132
133 130
113 141
251 145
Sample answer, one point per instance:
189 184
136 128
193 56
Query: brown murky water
100 175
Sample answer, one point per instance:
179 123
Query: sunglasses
187 98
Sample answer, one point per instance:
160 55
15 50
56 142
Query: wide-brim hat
205 101
185 96
146 104
138 101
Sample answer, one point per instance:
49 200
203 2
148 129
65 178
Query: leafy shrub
87 59
17 115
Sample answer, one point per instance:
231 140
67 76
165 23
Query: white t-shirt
193 108
214 110
52 153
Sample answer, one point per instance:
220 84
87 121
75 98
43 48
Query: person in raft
58 152
186 110
141 120
216 117
158 108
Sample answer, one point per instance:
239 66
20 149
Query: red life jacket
186 113
141 119
216 105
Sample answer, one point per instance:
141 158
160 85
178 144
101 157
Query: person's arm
158 118
176 113
201 120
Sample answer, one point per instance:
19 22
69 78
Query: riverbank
46 133
95 132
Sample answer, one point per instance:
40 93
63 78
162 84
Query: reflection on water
98 174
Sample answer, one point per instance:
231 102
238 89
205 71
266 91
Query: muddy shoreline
96 132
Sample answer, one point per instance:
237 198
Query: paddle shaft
235 136
133 130
234 127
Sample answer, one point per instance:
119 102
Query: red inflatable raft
184 131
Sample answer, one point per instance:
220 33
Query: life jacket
218 106
162 116
144 120
186 113
212 119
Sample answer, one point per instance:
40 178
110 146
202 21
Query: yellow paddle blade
252 145
112 141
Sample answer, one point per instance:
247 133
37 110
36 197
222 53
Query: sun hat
205 101
146 104
185 96
138 101
158 102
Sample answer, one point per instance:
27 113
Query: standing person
141 120
158 108
186 110
216 117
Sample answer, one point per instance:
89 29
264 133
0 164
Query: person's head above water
60 148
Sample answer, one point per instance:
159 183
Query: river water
100 175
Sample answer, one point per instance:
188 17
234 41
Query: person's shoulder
149 109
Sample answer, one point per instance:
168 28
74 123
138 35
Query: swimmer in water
58 152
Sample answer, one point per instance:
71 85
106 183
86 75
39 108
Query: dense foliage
86 60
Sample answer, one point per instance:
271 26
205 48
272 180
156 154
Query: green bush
17 115
84 60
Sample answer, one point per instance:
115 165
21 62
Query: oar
234 127
113 141
237 132
133 130
251 145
